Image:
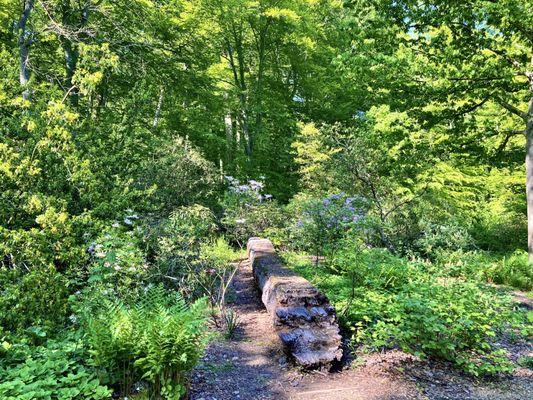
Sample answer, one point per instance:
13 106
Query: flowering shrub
248 212
175 245
438 237
117 260
182 234
323 223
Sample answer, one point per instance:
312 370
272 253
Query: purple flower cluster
335 212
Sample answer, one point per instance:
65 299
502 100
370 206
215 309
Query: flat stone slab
302 316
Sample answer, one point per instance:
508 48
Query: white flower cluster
252 187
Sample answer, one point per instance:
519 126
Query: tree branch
512 109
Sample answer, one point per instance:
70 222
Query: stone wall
305 321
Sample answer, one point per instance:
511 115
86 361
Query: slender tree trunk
24 44
228 125
71 61
158 107
261 51
238 70
529 176
70 47
527 117
243 97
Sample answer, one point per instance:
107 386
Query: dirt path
254 367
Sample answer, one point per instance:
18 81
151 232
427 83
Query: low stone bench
305 321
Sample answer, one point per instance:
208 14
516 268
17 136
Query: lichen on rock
305 321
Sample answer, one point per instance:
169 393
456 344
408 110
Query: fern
158 339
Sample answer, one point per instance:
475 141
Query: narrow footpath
252 366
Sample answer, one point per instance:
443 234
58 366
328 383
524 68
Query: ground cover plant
56 370
389 302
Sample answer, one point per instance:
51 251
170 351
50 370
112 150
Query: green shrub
175 245
118 262
435 237
472 265
181 176
36 298
185 230
215 270
249 213
388 302
176 240
372 267
514 270
57 371
322 224
158 340
454 321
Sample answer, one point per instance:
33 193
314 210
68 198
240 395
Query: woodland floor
253 366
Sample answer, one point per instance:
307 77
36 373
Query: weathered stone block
304 319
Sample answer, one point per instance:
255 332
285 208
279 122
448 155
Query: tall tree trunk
529 175
228 125
243 96
70 47
158 107
261 51
527 117
238 70
24 44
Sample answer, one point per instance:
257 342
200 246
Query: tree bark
529 171
24 44
528 119
228 125
237 68
70 47
158 107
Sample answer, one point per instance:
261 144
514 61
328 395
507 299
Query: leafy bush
435 237
37 298
158 340
248 212
57 371
372 268
181 176
184 231
215 270
323 223
118 263
454 321
175 245
513 269
388 302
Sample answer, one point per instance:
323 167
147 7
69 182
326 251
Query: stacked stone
305 321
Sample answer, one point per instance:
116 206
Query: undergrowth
389 302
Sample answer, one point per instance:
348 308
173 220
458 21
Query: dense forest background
134 132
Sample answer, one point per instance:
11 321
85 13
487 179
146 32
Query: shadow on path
254 367
246 367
